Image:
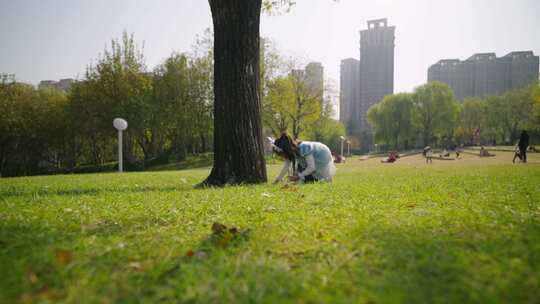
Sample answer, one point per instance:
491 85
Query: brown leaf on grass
288 187
32 277
63 257
218 228
222 236
52 295
190 253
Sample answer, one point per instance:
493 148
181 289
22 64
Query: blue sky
53 39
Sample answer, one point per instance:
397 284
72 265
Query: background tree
326 129
278 104
14 98
472 120
306 108
508 114
290 105
392 119
32 129
535 117
118 85
436 111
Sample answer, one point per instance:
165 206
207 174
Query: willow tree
392 119
238 139
436 111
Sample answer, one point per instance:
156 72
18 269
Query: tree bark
238 144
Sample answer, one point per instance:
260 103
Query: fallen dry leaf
218 228
63 257
32 277
288 187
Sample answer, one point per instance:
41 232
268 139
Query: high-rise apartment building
313 78
366 82
349 92
485 74
62 85
376 66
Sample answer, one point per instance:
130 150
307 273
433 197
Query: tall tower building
314 78
349 92
366 81
376 67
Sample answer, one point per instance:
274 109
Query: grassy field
463 231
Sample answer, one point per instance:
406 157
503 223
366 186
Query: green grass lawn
452 232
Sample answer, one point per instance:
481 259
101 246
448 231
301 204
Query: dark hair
288 145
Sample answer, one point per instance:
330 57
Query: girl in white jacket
309 161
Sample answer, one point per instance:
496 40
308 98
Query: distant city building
376 65
313 78
7 78
298 74
349 91
62 85
47 84
485 74
365 82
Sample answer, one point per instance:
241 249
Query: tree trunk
238 144
203 141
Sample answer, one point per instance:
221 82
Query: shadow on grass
92 191
192 162
35 258
415 266
30 258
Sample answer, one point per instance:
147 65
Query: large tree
278 104
535 94
472 119
392 119
238 143
436 111
509 113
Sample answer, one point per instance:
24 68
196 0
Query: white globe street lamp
120 124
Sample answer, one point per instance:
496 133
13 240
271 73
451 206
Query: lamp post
342 142
120 125
348 148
